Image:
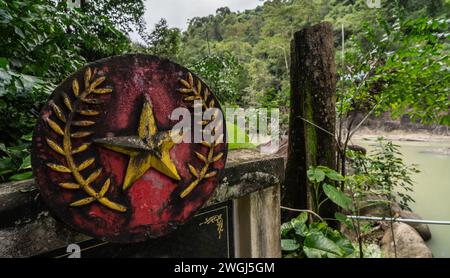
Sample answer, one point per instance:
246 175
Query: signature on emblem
215 219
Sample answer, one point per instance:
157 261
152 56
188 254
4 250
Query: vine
68 151
194 93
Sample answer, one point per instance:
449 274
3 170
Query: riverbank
431 151
400 135
432 184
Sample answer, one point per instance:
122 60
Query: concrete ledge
27 228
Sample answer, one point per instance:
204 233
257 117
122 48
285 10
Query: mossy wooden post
313 103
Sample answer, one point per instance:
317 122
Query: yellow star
150 149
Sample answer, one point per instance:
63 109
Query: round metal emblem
107 158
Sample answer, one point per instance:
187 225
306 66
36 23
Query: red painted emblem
107 158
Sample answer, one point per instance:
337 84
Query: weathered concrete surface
258 224
19 203
265 223
28 229
248 171
39 236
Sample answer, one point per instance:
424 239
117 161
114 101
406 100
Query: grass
239 132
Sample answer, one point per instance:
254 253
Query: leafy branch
194 93
68 150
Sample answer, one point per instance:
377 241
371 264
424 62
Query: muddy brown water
432 186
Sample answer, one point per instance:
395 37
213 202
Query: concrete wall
251 180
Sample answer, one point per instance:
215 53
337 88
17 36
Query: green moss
311 136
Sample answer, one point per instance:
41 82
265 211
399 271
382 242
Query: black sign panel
209 234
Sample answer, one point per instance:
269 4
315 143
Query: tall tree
127 15
164 41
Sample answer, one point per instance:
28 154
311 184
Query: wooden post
313 104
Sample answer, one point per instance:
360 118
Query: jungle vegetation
395 59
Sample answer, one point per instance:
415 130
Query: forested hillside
43 42
396 58
253 46
392 60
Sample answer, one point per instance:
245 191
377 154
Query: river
432 187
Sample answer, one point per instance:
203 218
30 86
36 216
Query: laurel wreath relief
198 93
67 149
68 120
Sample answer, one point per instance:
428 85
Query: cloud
178 12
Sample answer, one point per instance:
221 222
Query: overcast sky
177 12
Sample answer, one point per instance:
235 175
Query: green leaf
313 253
318 227
301 229
3 148
289 245
302 218
19 32
337 196
343 219
299 224
340 217
22 176
333 175
6 163
3 62
286 228
292 255
27 137
5 17
26 163
346 246
316 175
445 120
316 245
